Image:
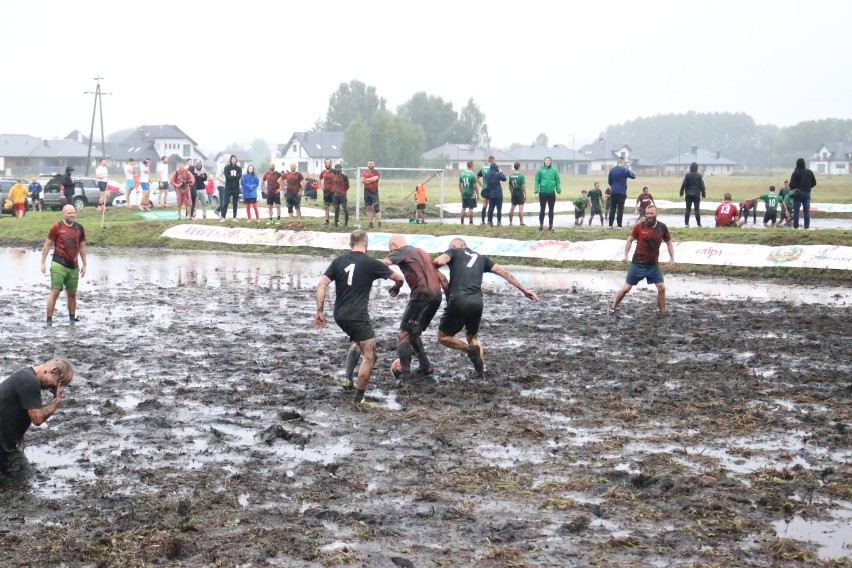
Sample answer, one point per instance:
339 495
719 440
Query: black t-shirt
20 392
419 271
466 270
353 274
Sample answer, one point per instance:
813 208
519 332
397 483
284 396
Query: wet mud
206 426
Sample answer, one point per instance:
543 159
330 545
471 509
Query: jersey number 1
350 270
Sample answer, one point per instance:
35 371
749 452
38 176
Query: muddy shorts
13 463
461 315
63 277
294 203
371 198
327 197
580 214
356 330
518 198
650 272
468 203
770 217
418 314
183 197
273 198
596 211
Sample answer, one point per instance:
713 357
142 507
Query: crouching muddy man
426 283
353 274
649 234
20 406
464 305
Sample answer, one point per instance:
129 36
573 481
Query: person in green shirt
596 200
547 185
518 189
482 176
772 202
468 187
580 205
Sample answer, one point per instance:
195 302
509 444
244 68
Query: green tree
541 139
435 116
349 101
471 127
356 149
260 153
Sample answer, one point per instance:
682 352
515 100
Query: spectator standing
102 175
370 179
617 180
18 196
232 173
693 187
272 186
249 182
547 185
802 181
35 189
163 180
518 191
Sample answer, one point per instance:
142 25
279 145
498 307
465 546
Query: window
840 166
821 168
187 151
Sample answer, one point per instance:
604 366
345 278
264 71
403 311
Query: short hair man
163 180
426 283
68 239
294 181
727 214
649 234
341 187
469 189
327 181
129 180
353 274
370 179
21 406
102 175
771 201
482 174
596 201
617 179
580 205
518 191
272 187
18 194
643 200
464 299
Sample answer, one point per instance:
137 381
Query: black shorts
371 198
518 198
327 197
102 185
468 203
596 211
164 185
339 199
579 214
273 198
421 207
418 314
294 203
356 330
461 315
770 216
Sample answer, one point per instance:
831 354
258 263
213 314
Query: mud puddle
206 426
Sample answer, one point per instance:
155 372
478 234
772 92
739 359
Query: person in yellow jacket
18 194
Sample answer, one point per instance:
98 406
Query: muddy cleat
348 384
427 372
475 356
403 379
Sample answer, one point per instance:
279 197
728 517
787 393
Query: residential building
832 159
25 155
454 157
309 150
565 160
709 163
603 155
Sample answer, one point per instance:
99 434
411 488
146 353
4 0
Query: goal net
411 176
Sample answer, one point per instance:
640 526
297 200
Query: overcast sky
568 69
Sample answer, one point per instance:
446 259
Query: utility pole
98 104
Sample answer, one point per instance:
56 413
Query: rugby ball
396 369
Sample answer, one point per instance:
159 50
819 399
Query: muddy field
206 427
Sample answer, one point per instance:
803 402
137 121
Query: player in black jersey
353 274
464 305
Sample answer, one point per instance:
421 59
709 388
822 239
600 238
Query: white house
832 159
454 157
602 155
309 150
565 160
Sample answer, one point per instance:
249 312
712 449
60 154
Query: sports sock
351 361
483 214
359 395
405 351
417 344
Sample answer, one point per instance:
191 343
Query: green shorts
63 277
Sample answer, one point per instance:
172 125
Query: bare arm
442 260
670 248
45 250
500 271
627 246
83 258
319 320
38 416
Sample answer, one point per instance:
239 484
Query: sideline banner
688 252
565 205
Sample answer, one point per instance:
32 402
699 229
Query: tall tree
541 139
435 116
471 126
349 101
260 153
356 148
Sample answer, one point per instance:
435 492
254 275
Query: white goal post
417 173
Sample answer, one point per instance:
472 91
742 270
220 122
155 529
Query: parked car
6 184
86 192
